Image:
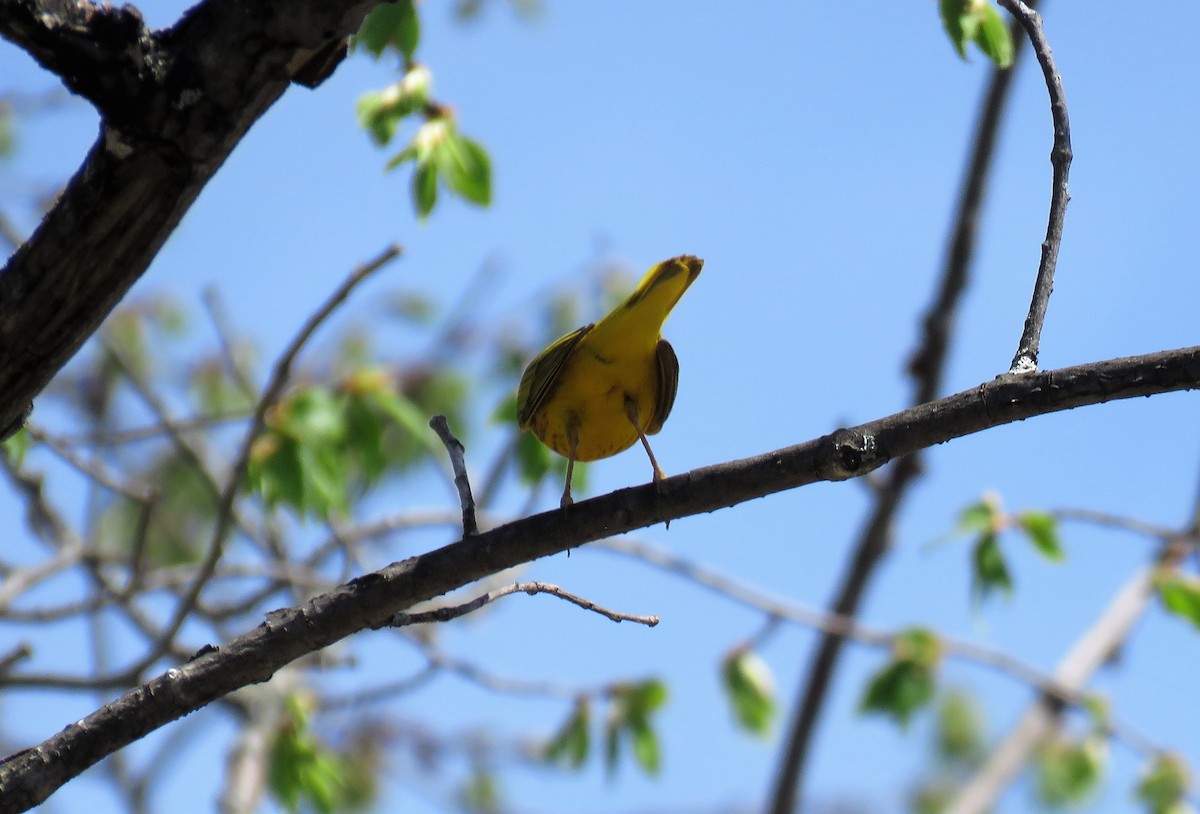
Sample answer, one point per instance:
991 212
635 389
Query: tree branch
29 777
1026 358
175 103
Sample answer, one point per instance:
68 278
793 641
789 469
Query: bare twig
181 425
94 470
1116 521
14 657
447 613
1026 358
220 321
462 483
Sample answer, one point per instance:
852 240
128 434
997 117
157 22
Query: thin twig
1026 358
94 470
181 425
15 656
220 321
1055 686
1116 521
462 483
445 614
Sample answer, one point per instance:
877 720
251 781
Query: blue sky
811 154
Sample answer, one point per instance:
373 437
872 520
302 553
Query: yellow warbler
598 389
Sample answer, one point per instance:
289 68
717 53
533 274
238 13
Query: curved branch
174 105
1026 358
29 777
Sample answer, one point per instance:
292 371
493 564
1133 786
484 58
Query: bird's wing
667 364
542 376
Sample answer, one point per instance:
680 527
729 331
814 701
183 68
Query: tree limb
174 104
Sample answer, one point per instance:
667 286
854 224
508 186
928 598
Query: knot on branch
849 454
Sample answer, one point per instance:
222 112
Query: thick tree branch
174 104
29 777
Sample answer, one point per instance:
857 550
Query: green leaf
424 188
955 19
899 690
992 35
465 167
1164 784
571 744
959 732
1070 771
750 688
645 745
314 415
629 716
1180 595
907 683
981 516
16 446
482 793
1042 530
990 568
390 25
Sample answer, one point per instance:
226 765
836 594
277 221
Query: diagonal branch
179 103
32 775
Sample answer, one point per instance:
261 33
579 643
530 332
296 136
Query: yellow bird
601 387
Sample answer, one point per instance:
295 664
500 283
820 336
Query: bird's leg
573 440
632 412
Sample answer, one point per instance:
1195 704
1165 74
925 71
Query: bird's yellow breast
590 398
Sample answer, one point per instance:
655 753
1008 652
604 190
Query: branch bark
174 104
32 775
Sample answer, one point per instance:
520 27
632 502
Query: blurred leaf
465 167
981 516
533 458
424 188
990 568
977 21
390 25
1180 595
1042 530
956 20
302 770
907 683
992 36
8 135
413 307
750 688
959 729
215 392
1164 784
313 415
481 793
1070 771
16 446
570 745
630 710
645 745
